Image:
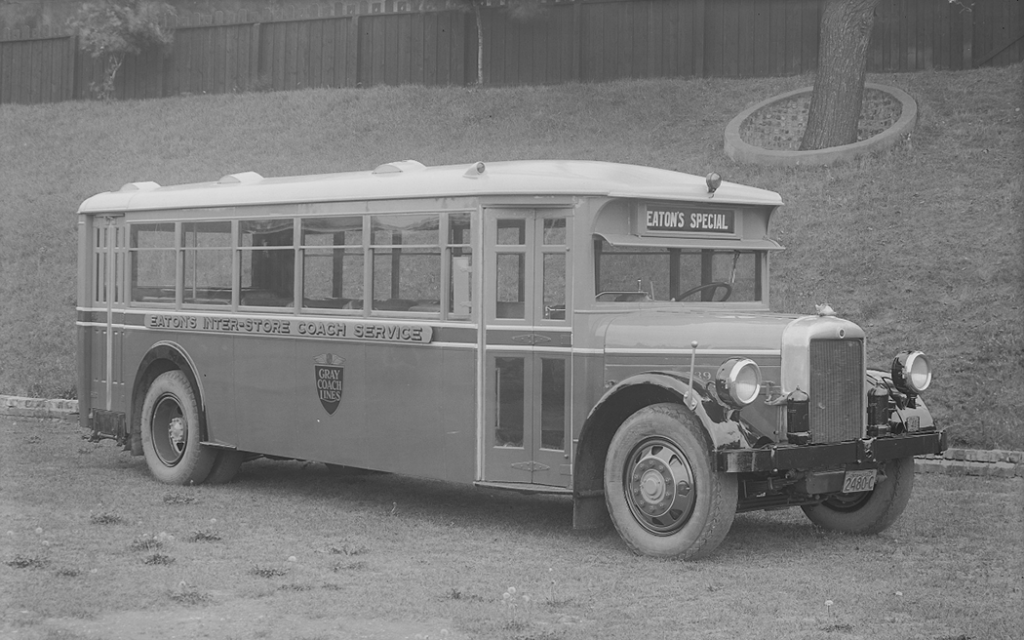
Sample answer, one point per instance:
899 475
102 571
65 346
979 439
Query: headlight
911 372
738 381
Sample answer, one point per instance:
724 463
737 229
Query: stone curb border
740 151
970 462
37 407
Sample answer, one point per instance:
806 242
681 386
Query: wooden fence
573 40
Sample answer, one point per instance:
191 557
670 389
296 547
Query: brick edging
37 407
740 151
971 462
997 463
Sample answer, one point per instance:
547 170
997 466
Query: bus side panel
213 356
403 408
85 375
277 401
97 371
458 413
405 404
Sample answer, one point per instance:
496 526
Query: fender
723 424
882 380
724 428
163 356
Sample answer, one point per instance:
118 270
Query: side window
332 263
153 262
267 261
553 248
207 258
460 266
108 254
406 262
510 275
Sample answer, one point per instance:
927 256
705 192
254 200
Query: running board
523 487
218 445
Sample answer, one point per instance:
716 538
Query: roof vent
403 166
248 177
139 186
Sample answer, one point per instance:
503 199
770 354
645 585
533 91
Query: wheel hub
660 486
169 429
176 433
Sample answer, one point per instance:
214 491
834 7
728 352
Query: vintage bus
593 329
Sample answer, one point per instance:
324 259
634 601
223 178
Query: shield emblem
330 380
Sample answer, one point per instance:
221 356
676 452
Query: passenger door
528 339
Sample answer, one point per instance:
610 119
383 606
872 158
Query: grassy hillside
920 245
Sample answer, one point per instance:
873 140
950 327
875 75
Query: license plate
858 481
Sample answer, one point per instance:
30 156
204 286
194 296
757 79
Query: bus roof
410 179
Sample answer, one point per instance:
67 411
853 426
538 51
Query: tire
226 467
653 452
868 512
171 433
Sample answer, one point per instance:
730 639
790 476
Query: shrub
112 29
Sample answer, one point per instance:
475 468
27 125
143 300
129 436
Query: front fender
906 414
723 425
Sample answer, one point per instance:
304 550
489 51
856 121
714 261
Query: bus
585 328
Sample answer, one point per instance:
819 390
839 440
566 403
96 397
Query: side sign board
361 329
673 219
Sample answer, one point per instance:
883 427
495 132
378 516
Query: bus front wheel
662 491
171 434
868 512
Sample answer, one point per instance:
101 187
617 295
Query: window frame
445 251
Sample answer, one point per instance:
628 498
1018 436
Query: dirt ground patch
91 548
240 619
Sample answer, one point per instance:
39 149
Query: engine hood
667 330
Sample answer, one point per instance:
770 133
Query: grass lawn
91 547
920 245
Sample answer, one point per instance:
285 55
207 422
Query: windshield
638 274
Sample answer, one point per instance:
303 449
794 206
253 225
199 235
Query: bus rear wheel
872 511
171 433
663 494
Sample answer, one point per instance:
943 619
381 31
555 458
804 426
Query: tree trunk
839 84
479 43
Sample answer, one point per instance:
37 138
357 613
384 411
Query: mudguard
723 426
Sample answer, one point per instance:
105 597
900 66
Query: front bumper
818 456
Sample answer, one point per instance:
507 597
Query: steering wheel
710 285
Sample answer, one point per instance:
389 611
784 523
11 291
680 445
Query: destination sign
296 327
690 220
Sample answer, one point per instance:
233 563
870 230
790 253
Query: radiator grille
837 390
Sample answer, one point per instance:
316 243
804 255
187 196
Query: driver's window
739 269
626 274
638 274
688 276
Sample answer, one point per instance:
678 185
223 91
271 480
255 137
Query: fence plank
444 49
333 49
416 40
315 53
749 37
24 74
5 71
